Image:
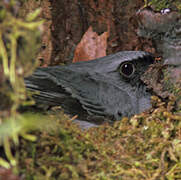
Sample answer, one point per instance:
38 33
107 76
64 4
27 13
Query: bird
104 89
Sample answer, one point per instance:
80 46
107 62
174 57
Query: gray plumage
95 88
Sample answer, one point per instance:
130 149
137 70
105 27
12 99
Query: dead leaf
91 46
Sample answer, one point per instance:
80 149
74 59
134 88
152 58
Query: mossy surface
158 5
147 146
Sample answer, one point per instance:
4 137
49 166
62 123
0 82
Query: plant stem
7 150
4 56
13 60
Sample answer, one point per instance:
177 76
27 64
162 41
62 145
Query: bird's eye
127 69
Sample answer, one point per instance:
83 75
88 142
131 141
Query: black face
130 72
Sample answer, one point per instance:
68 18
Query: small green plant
19 42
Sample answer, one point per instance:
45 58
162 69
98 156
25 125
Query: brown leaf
91 46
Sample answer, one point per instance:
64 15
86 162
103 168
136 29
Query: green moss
127 150
173 86
162 4
19 42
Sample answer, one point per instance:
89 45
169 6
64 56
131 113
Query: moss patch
143 147
163 4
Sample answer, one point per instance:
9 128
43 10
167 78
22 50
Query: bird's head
109 86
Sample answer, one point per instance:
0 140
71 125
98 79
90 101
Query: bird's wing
104 98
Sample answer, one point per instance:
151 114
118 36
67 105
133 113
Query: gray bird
109 87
